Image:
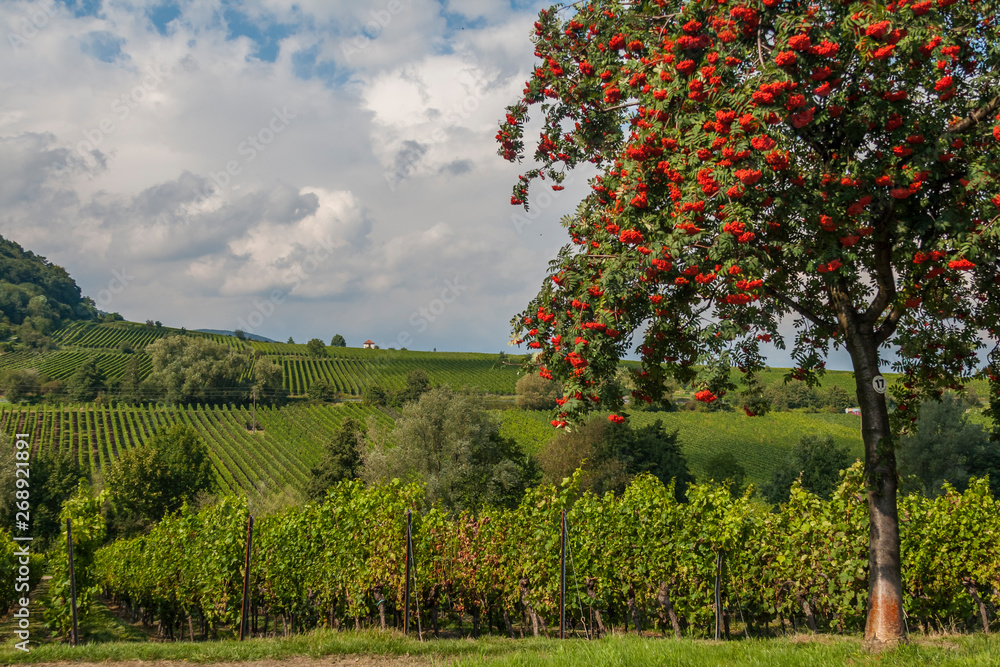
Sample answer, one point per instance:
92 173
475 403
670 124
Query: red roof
369 342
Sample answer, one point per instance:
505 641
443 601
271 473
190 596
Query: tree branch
800 309
888 327
883 271
616 107
974 118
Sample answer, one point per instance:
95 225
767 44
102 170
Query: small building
853 411
369 345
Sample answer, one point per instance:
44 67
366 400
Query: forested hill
36 296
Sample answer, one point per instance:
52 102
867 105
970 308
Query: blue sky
292 168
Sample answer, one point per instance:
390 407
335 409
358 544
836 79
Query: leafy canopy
946 448
833 162
816 461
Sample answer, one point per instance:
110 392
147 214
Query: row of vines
62 364
352 375
641 560
278 455
117 334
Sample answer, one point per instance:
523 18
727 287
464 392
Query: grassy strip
625 651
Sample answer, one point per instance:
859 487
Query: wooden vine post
718 596
562 577
74 636
406 586
246 580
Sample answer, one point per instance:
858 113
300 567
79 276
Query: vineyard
291 438
349 370
641 560
279 455
113 335
352 374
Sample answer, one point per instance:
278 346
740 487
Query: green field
760 443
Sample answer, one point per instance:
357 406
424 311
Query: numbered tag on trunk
878 384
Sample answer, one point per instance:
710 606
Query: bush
611 455
946 448
447 441
536 393
818 460
723 468
316 348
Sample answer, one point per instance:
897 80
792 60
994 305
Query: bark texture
885 626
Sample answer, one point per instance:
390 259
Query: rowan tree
830 163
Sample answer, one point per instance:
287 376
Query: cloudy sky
291 169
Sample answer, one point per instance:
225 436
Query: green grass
625 651
760 443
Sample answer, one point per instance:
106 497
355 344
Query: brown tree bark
885 626
663 597
523 586
970 586
595 614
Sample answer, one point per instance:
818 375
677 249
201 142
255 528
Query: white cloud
388 153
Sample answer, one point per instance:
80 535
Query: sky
290 169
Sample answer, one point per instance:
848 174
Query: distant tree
725 467
793 395
338 341
291 341
322 390
55 475
449 442
148 482
183 331
87 382
128 388
316 348
417 384
945 447
52 389
17 384
240 334
341 459
188 369
149 323
188 460
837 399
611 454
139 488
268 381
818 459
536 393
376 396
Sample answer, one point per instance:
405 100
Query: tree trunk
663 597
974 592
523 586
885 627
807 610
595 614
507 623
633 611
